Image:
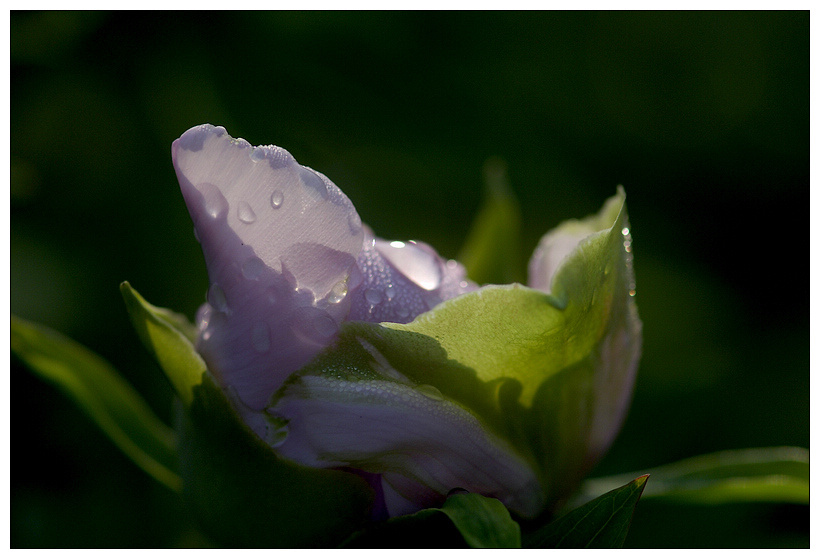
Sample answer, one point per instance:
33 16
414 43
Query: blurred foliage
702 116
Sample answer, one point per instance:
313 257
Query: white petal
280 242
423 443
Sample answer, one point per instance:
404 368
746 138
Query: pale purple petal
551 251
424 444
280 242
397 281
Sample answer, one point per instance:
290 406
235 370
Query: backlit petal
423 443
280 241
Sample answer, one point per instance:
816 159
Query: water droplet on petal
258 154
314 182
276 199
354 222
325 325
253 268
414 262
245 213
431 392
216 205
403 312
216 297
625 231
373 296
338 292
390 292
260 337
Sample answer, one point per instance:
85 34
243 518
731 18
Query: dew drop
414 262
216 297
625 231
325 325
338 292
632 292
354 222
390 292
373 296
258 154
431 392
216 205
245 213
260 337
253 268
276 199
314 182
403 312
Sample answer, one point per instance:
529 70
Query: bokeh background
703 117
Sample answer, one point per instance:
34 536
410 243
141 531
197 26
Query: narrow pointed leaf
779 475
601 523
168 337
103 394
492 251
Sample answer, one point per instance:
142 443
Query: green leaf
492 251
169 337
483 522
601 523
779 475
102 393
551 374
463 520
244 495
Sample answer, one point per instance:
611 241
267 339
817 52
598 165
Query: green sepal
492 251
169 337
103 394
464 520
244 495
775 475
601 523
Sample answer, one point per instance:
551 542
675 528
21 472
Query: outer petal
424 444
280 242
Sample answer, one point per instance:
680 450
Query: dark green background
703 117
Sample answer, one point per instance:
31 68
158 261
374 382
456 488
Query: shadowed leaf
492 251
603 522
102 393
168 336
779 475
